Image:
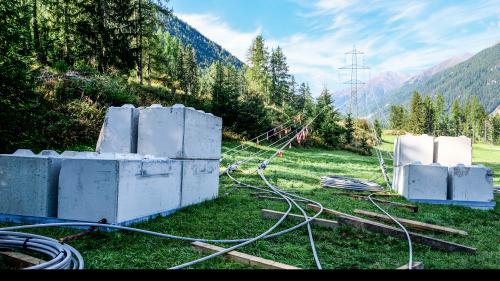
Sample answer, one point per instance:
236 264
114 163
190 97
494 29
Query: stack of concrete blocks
28 183
177 166
192 137
451 179
409 149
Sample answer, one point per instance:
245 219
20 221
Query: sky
398 35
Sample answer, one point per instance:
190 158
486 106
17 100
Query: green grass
237 215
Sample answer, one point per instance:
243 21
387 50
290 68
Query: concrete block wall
178 132
119 188
116 182
28 183
119 130
464 182
191 136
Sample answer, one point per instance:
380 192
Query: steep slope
207 51
440 67
478 76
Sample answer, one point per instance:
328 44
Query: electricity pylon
354 67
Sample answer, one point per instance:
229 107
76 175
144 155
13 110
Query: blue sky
403 36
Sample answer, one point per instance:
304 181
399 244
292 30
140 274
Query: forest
427 115
62 63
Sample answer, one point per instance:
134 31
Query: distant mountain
207 51
373 91
478 76
440 67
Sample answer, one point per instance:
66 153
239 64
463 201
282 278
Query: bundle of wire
61 256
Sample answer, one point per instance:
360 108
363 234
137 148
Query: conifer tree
417 117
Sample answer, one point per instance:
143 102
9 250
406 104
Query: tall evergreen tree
417 117
280 78
456 118
428 116
258 72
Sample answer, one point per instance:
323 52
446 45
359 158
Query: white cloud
235 41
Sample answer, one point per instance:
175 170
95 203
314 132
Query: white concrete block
28 183
470 183
119 190
200 181
410 149
179 133
424 182
451 151
415 149
119 131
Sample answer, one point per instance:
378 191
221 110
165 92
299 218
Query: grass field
236 214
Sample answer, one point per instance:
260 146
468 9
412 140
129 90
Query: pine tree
280 78
428 116
349 129
258 71
440 117
397 117
456 118
417 117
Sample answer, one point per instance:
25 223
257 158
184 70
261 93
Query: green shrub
61 66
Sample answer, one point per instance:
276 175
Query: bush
61 66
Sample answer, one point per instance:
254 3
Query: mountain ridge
207 51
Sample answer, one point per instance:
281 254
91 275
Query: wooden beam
361 223
414 224
389 203
242 258
416 265
20 260
270 214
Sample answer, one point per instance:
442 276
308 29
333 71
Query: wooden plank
389 203
242 258
270 214
414 224
416 265
361 223
20 260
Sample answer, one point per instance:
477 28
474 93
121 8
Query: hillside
207 51
478 76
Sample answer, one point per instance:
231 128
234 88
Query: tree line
426 115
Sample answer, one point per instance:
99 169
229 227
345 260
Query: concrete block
451 151
118 189
200 181
28 183
410 149
178 132
470 183
424 182
415 149
119 131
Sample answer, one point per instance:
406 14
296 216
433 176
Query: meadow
237 214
